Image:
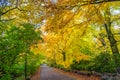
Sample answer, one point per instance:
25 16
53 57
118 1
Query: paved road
48 73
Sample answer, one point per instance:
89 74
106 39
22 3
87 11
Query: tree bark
107 26
64 56
25 70
112 40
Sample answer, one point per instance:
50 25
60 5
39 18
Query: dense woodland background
69 34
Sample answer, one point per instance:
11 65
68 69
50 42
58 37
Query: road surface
48 73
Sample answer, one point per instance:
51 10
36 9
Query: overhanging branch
83 3
7 11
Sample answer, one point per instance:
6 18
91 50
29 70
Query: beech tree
85 13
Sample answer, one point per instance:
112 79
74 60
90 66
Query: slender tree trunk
25 70
112 40
64 56
107 26
113 46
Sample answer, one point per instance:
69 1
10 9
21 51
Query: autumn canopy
69 34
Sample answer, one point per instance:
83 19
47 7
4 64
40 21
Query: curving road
48 73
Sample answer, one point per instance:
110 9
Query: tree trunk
25 70
64 56
107 26
112 40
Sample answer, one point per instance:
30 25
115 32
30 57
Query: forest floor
48 73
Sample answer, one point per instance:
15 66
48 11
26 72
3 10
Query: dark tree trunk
64 56
112 40
107 26
113 46
25 70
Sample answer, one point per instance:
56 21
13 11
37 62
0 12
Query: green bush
81 65
52 63
31 69
104 63
117 57
6 77
59 66
18 69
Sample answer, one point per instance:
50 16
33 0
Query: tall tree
86 13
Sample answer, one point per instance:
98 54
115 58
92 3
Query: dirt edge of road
79 77
36 75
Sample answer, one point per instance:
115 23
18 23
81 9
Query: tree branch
83 3
98 2
21 9
7 11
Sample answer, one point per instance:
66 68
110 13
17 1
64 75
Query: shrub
81 65
104 63
6 77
